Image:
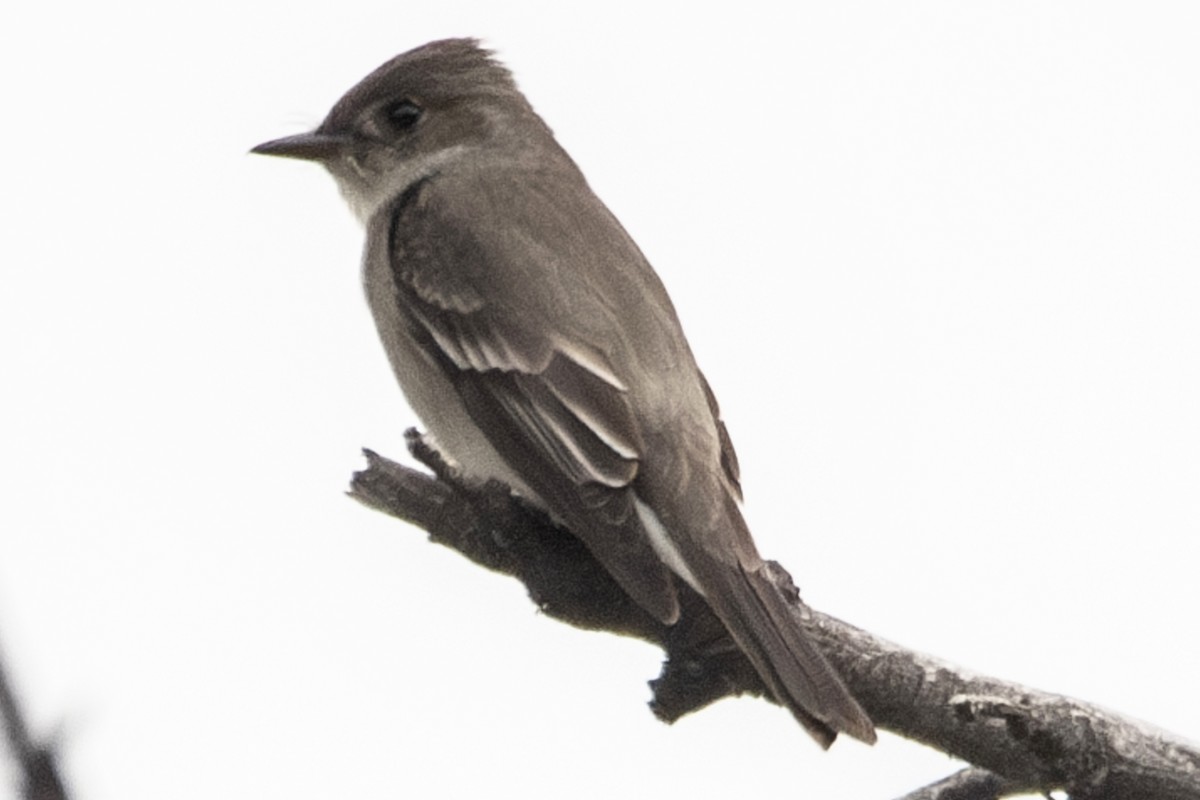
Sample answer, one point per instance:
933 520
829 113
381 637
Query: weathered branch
1026 740
971 783
39 766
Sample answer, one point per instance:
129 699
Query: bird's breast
426 387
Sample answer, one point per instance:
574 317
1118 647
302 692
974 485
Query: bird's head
423 111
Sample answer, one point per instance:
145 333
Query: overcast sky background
940 261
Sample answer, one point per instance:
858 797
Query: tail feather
765 627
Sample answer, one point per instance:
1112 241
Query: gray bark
1018 739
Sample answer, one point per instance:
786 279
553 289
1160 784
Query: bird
537 345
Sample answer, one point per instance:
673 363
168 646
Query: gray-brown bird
538 346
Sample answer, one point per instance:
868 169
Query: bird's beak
311 146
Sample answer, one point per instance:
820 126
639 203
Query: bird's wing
729 462
547 399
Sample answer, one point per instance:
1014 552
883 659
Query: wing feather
552 407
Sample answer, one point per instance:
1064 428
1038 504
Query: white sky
941 262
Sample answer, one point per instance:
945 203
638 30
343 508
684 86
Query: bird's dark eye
402 114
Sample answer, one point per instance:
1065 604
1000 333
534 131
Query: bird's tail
766 628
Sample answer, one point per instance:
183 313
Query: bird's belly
432 396
436 403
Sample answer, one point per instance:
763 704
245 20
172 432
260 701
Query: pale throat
366 191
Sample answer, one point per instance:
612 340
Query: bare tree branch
39 768
1026 739
971 783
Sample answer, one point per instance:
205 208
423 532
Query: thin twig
38 762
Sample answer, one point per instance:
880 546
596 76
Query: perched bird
538 346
